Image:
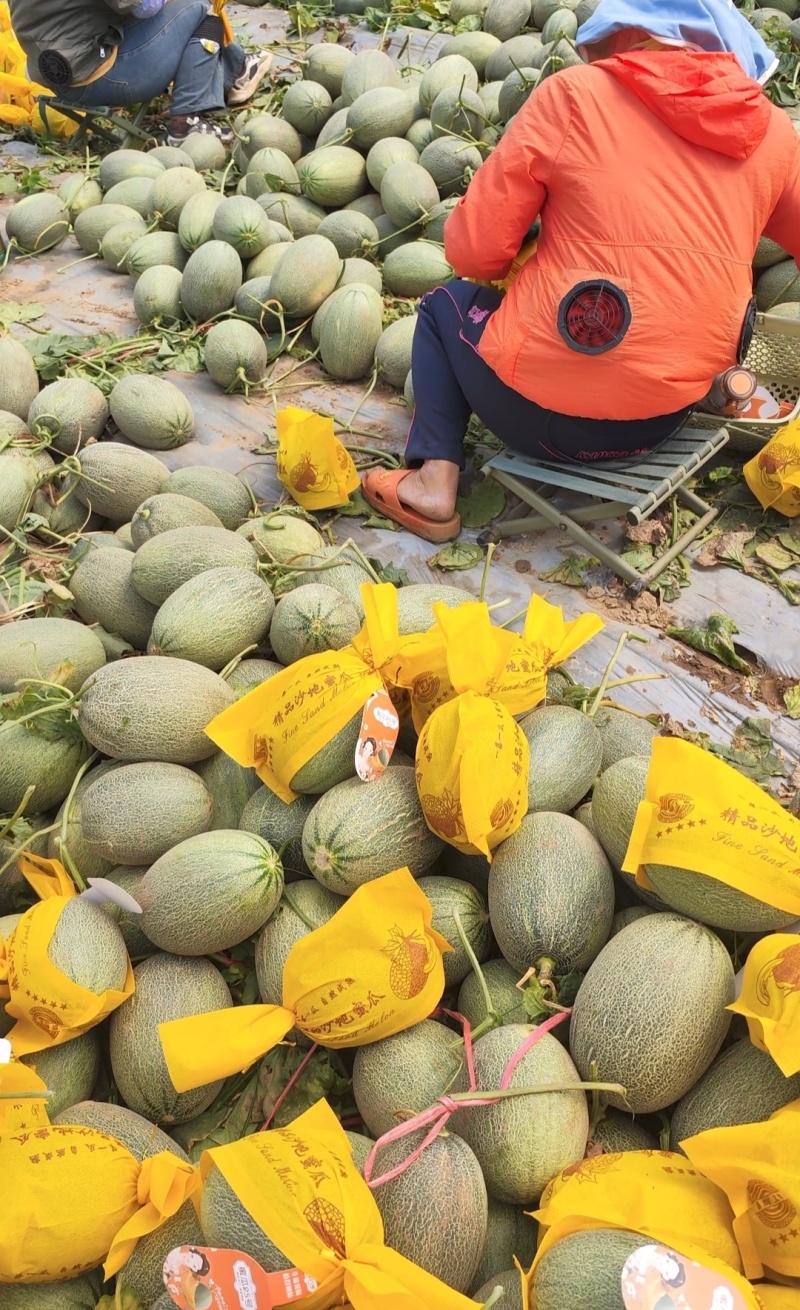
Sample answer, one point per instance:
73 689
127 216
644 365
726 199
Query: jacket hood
704 98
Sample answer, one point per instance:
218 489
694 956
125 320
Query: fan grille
594 317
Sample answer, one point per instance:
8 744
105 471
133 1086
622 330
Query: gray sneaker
180 128
247 83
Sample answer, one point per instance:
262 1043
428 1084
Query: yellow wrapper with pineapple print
773 475
770 999
48 1006
301 1187
465 651
281 725
313 465
472 773
757 1165
657 1193
374 969
73 1196
701 814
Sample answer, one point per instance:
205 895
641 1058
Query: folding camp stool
633 489
111 126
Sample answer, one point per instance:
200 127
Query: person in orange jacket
654 168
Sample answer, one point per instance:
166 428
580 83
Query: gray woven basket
774 357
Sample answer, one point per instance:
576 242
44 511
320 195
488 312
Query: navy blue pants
452 382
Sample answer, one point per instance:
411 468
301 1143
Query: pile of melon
184 597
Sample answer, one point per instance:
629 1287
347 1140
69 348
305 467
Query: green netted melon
236 356
37 223
335 131
143 1271
151 412
391 237
350 231
137 1134
565 749
402 1075
172 156
620 1132
615 801
387 151
713 902
307 106
420 134
128 878
416 267
305 275
332 764
300 215
227 1223
171 190
154 250
32 757
332 175
742 1086
360 1147
516 89
152 708
303 907
196 223
629 914
523 1142
510 1236
213 617
210 892
242 223
18 476
490 98
454 70
270 170
230 785
68 413
135 192
451 163
87 861
551 894
53 650
506 18
378 113
311 619
327 64
281 536
584 1270
477 47
117 242
211 278
369 69
137 813
437 217
91 225
250 674
350 332
69 1071
223 492
393 352
268 132
19 381
450 897
104 593
623 735
561 24
362 272
157 296
778 285
357 833
501 980
167 987
77 1294
458 112
121 164
168 510
121 478
448 1178
266 815
167 561
88 947
335 567
78 193
408 194
768 253
650 1013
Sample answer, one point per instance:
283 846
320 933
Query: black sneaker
247 83
180 128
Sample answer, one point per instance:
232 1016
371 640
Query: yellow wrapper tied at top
218 8
701 814
773 475
49 1007
313 465
301 1187
527 251
656 1193
472 773
374 969
770 999
18 95
281 725
757 1165
73 1196
465 651
769 1296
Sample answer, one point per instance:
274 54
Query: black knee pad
211 28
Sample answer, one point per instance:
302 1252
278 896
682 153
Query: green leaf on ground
773 554
458 555
485 501
11 311
390 573
715 638
571 571
791 699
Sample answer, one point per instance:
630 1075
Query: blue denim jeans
159 50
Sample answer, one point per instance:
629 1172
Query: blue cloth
162 49
148 8
452 381
713 25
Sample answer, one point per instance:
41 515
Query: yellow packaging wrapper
301 1187
464 651
657 1193
472 773
770 999
771 1297
218 8
700 814
23 1098
757 1165
18 95
773 475
279 726
49 1007
313 465
374 969
74 1196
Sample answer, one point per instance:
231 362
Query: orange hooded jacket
657 170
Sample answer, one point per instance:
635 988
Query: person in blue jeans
124 52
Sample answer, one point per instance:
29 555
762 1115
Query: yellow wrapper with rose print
472 773
773 475
374 969
313 465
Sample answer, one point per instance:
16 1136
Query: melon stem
236 661
490 549
492 1019
601 690
495 1296
19 811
